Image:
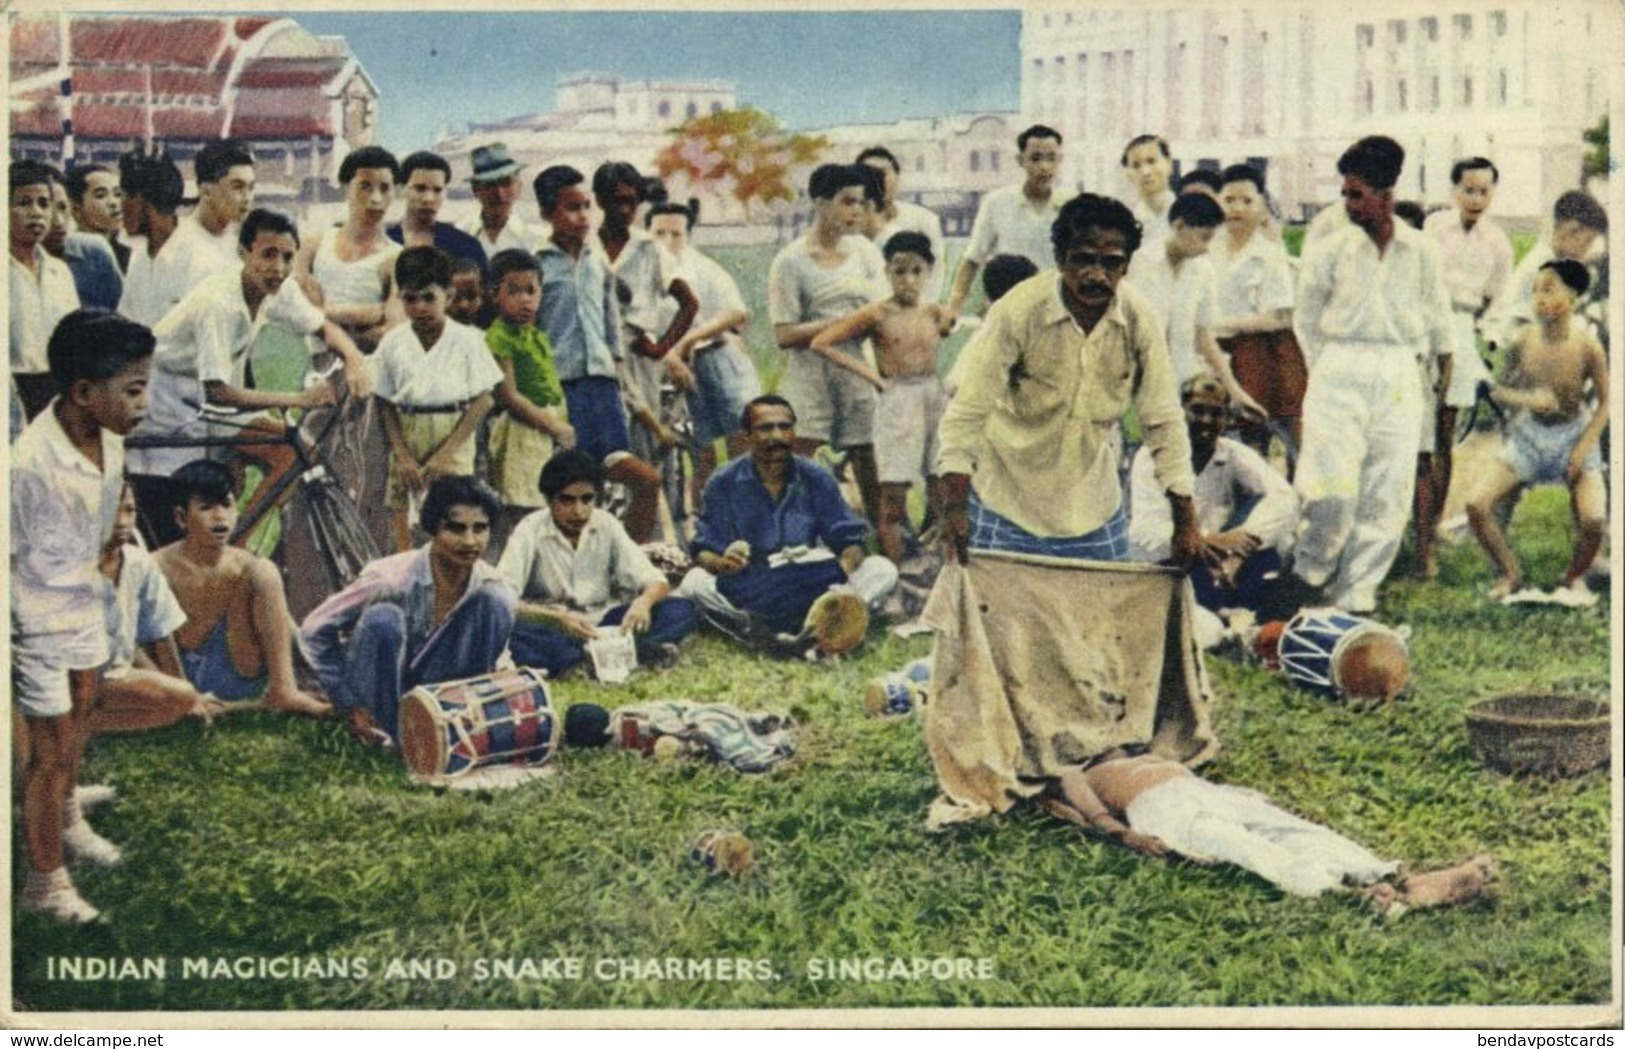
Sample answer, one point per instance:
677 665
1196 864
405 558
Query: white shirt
516 234
36 307
604 569
801 290
140 609
1477 261
912 218
1008 223
1234 470
1154 225
647 269
207 338
62 510
457 368
222 246
1182 298
714 287
1348 293
1256 279
154 286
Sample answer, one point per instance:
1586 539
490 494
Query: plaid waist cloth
990 531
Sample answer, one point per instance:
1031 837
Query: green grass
267 837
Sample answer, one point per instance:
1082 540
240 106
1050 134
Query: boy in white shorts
906 334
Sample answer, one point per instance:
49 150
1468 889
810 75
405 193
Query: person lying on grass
1170 809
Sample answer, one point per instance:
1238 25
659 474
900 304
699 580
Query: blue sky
808 68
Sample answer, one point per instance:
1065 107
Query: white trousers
1212 821
1356 473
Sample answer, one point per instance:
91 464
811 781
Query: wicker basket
1543 733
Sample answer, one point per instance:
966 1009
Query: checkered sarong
989 531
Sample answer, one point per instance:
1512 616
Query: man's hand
410 473
1222 546
1244 407
1187 545
680 374
1144 844
578 626
358 378
316 396
636 620
438 466
953 526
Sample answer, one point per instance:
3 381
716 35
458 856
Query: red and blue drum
1338 654
451 729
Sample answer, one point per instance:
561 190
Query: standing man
424 178
495 182
901 216
97 201
1371 298
165 259
1149 164
225 192
1015 220
42 288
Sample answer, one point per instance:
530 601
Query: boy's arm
406 464
687 308
1081 805
166 656
357 377
1218 362
732 320
964 277
856 325
439 462
528 412
227 396
321 637
1596 368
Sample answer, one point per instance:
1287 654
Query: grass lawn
279 839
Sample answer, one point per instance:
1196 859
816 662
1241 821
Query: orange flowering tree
745 149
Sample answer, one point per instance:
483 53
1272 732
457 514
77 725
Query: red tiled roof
105 81
260 126
186 42
290 72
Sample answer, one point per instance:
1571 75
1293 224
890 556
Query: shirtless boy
238 638
1170 809
906 334
1552 435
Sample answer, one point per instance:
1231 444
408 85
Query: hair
1410 212
618 173
368 157
154 178
1572 273
1145 140
510 260
1036 131
78 180
654 191
689 211
1004 272
1196 209
910 242
461 266
1200 176
829 179
1581 207
569 467
220 156
96 345
423 160
1242 173
32 173
766 400
1375 160
1202 385
1089 210
264 220
455 490
205 479
1461 167
881 153
551 182
422 266
874 183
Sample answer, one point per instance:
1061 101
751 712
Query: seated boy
237 642
575 568
433 379
906 334
1170 809
437 613
1246 510
531 396
1553 434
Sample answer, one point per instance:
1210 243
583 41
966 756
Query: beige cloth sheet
1041 664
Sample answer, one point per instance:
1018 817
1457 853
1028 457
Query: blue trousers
381 670
781 596
1252 590
552 650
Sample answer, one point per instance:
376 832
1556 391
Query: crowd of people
497 377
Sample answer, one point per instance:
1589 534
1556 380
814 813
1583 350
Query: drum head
424 744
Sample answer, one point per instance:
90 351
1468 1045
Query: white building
1291 86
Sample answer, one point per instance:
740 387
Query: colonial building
301 101
1288 87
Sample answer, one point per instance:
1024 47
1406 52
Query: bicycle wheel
341 538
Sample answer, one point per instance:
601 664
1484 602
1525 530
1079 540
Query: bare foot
1504 587
1428 568
1448 887
297 701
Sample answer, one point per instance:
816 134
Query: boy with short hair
67 470
577 573
236 643
534 414
163 265
225 192
467 301
1148 163
1015 220
434 379
907 334
97 201
424 177
1552 435
96 276
1577 221
42 287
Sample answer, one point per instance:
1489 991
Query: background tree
1597 161
745 152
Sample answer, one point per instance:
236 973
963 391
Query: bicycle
291 463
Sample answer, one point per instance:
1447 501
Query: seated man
575 568
1245 509
774 535
236 643
437 613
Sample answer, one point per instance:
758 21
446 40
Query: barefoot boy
238 640
1553 434
434 382
906 335
67 470
1170 809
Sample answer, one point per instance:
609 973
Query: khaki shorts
40 665
518 453
906 419
832 405
424 432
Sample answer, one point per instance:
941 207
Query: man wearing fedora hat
495 182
